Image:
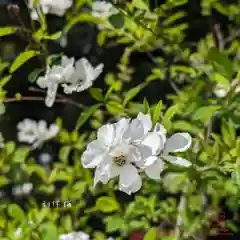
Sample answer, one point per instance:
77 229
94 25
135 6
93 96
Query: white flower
56 7
84 76
178 142
118 151
75 236
103 9
222 90
45 158
73 77
23 189
36 133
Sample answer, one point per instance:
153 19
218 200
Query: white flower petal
135 132
128 175
153 141
134 187
146 121
106 135
51 95
178 161
102 173
179 142
153 171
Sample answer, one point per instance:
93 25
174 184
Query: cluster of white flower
128 147
36 133
75 236
24 189
104 10
72 76
56 7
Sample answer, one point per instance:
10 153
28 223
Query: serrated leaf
86 114
221 62
107 205
204 114
117 20
133 93
96 93
151 234
156 112
22 58
7 31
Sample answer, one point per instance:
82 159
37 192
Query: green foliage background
195 69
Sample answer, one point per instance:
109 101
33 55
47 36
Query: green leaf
114 223
2 109
49 231
156 112
146 106
115 107
96 93
53 36
22 58
3 180
32 77
117 20
81 19
101 37
228 133
21 154
16 212
204 114
64 153
86 114
151 234
133 93
5 80
169 114
221 62
107 205
140 4
7 31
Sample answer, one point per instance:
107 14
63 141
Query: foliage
191 71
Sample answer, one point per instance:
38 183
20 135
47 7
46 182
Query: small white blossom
84 78
119 151
75 236
178 142
73 77
36 133
23 189
103 9
222 90
45 158
56 7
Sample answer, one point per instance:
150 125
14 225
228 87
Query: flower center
120 160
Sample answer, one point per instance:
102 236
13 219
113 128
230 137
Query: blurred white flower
56 7
73 77
45 158
36 133
222 90
103 9
23 189
119 151
75 236
84 76
56 75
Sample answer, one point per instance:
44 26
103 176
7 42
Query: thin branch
232 37
219 36
29 98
